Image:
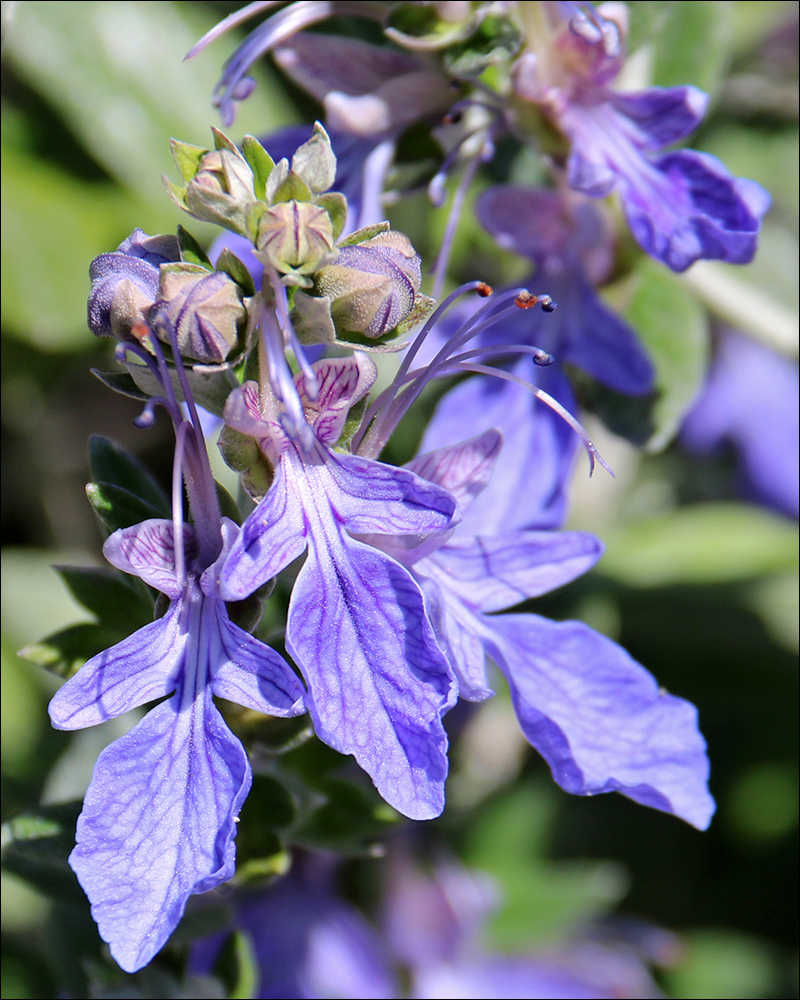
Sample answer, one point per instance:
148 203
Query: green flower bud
220 184
295 237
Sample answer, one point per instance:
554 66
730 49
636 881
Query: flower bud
125 283
220 184
204 307
295 236
373 286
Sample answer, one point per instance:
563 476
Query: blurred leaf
705 543
113 465
691 43
112 597
116 72
37 601
36 844
723 965
20 712
763 802
53 226
246 965
673 328
508 839
351 821
65 651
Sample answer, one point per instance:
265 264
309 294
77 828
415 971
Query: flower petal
598 717
661 115
528 488
253 674
141 668
371 497
378 683
459 633
158 824
147 550
463 469
491 574
272 536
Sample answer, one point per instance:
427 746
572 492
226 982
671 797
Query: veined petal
459 634
462 469
378 683
272 536
598 717
147 550
249 673
341 382
141 668
371 497
493 573
158 824
661 115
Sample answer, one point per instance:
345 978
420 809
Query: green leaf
121 382
364 234
187 158
704 543
64 652
294 188
112 465
119 508
111 596
35 846
231 265
673 328
335 204
260 162
496 39
191 251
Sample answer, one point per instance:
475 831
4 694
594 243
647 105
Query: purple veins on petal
357 609
158 824
141 668
599 718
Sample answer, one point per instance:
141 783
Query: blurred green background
697 585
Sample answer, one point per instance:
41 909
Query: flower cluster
405 585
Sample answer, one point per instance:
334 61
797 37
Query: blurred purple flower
565 239
681 206
311 944
751 402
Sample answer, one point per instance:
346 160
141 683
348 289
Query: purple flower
682 206
751 402
565 238
357 626
308 941
597 717
159 818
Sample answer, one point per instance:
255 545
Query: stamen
562 411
